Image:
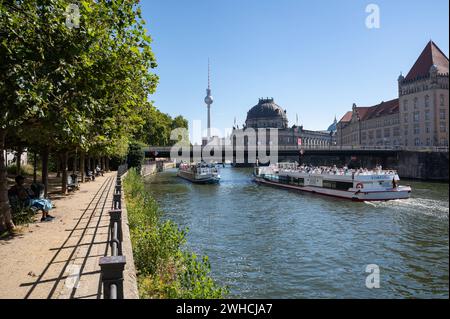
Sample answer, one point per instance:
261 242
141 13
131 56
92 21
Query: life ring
359 185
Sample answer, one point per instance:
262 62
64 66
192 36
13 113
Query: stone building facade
418 117
268 115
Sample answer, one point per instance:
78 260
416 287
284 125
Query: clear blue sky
316 58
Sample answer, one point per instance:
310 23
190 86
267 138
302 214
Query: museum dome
266 114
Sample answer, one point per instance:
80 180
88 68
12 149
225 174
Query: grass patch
166 268
25 170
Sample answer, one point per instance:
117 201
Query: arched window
427 101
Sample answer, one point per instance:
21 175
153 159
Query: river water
265 242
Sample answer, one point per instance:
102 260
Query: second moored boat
199 173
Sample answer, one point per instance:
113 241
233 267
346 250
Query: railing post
116 216
117 201
112 268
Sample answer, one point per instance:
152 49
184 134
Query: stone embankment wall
149 168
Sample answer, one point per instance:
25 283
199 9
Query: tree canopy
76 77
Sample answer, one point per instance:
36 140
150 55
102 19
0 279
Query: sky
315 58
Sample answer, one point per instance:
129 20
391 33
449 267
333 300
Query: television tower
209 100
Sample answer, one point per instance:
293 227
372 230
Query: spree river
265 242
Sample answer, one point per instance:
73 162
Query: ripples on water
266 242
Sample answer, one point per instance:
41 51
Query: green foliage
166 269
25 170
22 215
158 127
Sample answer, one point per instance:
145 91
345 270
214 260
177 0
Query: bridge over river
427 163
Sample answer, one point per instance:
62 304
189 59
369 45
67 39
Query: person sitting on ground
30 199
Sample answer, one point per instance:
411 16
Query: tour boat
200 173
354 184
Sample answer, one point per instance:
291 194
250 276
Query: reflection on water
266 242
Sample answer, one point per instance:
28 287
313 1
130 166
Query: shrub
166 269
24 169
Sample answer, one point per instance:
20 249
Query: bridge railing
167 150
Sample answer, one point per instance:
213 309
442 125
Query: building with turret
418 117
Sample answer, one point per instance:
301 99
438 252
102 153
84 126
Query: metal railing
112 267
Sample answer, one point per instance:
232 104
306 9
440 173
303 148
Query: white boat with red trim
353 184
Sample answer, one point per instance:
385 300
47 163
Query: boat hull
199 179
402 192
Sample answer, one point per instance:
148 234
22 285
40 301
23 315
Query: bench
20 211
99 172
72 182
89 176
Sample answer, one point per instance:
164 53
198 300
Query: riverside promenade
60 259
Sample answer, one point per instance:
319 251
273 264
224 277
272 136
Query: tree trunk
102 163
35 167
18 160
58 165
6 222
45 153
89 163
75 159
64 162
107 164
82 163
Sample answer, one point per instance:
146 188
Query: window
427 115
427 101
396 131
405 117
363 136
405 105
427 127
337 185
387 132
406 130
444 142
442 127
297 181
415 103
428 141
416 116
378 133
442 114
417 141
442 100
370 135
416 129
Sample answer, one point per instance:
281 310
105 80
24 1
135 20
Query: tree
64 88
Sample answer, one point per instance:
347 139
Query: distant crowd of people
334 170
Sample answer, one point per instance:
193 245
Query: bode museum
268 115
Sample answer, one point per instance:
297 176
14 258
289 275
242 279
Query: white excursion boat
354 184
200 173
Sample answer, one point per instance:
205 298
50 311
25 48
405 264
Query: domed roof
266 108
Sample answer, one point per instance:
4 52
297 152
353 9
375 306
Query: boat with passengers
353 184
199 173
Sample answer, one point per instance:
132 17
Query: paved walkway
59 259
